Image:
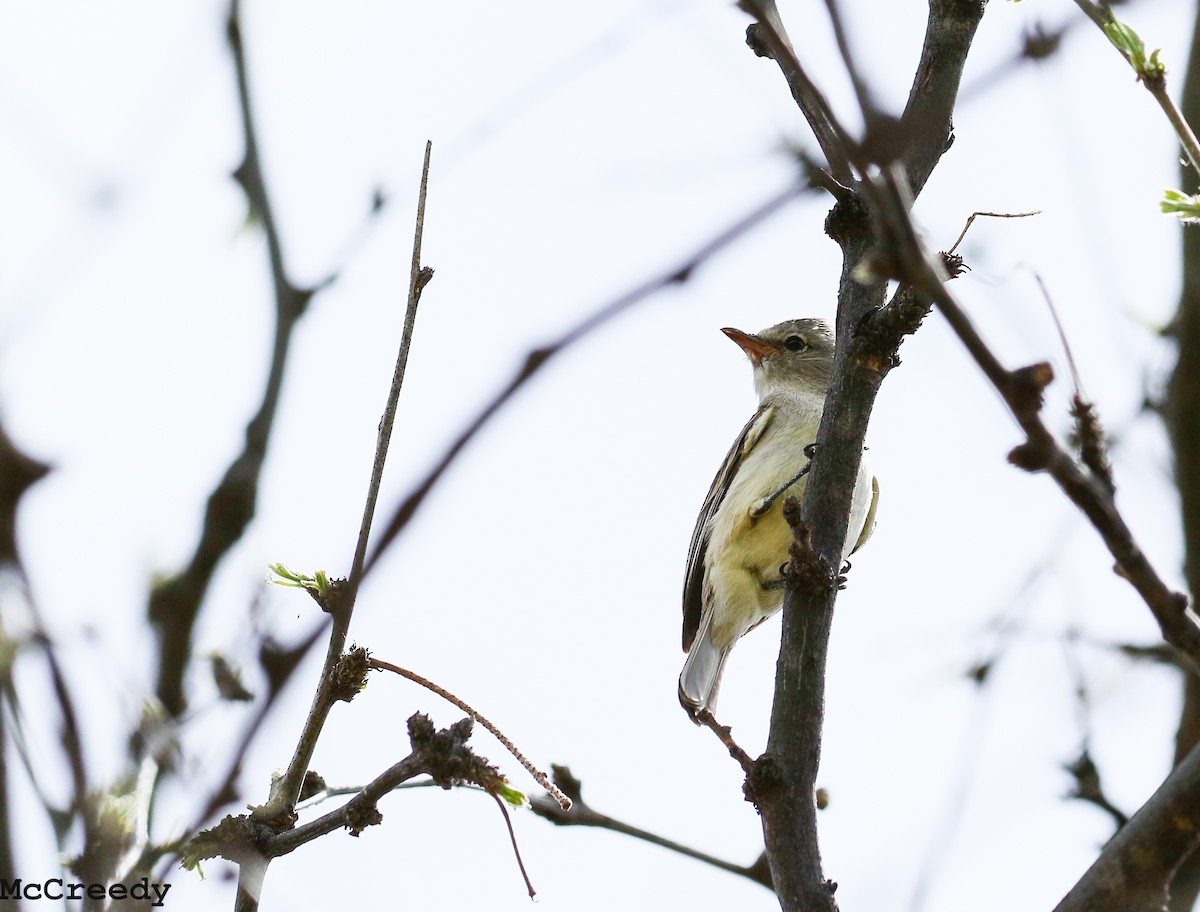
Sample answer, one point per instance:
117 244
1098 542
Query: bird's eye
795 343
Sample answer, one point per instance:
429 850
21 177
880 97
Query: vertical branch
783 781
927 123
175 604
418 278
1181 407
281 808
6 822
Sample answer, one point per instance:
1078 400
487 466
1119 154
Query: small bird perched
741 540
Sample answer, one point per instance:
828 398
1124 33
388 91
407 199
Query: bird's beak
754 346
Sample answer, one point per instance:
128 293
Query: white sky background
578 150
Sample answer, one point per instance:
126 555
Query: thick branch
783 783
1135 868
1181 407
927 122
1183 392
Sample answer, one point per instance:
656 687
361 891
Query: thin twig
974 215
581 814
72 741
862 91
542 779
512 837
1183 130
417 280
1062 334
327 793
725 733
280 807
1089 788
538 358
1153 76
224 794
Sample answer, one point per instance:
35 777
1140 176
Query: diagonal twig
542 779
768 38
417 280
725 734
581 814
1150 72
1022 392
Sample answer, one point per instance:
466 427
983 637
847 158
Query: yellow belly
745 555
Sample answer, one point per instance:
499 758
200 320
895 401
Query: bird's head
790 357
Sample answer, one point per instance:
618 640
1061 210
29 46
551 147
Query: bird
734 567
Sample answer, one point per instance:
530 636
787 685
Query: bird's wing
869 522
693 586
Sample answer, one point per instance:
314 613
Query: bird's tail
701 676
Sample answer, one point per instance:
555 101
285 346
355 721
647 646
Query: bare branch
862 91
974 215
1022 391
1181 406
542 779
512 836
175 604
354 813
1135 868
418 278
581 814
1089 788
926 127
339 602
725 734
782 783
442 754
768 38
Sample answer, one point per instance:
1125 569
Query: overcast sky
580 149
